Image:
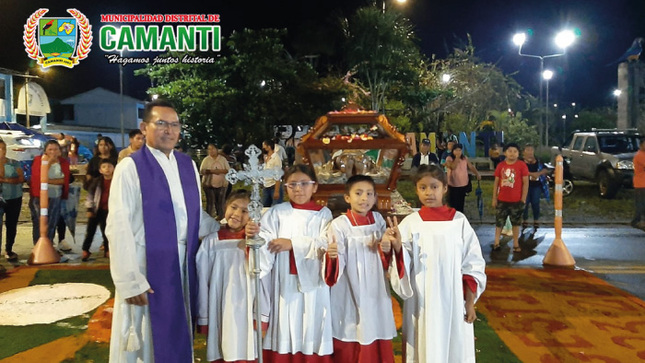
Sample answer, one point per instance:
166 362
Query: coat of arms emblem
60 41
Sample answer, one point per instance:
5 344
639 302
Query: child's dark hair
301 168
357 179
511 144
238 194
431 170
460 147
107 161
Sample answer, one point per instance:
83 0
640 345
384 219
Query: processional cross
254 174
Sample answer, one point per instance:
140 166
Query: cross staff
254 174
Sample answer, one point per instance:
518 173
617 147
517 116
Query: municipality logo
57 41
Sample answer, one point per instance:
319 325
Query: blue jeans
267 196
533 198
639 205
53 213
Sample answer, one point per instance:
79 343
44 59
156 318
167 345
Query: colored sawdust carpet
555 315
525 315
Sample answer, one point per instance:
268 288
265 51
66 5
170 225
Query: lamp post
401 2
563 39
115 37
564 126
547 75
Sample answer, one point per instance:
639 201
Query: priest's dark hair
238 194
147 111
432 170
357 179
300 168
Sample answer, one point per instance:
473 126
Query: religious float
350 142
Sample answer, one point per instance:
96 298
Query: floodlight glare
519 39
564 38
547 74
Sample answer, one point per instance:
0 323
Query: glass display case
346 143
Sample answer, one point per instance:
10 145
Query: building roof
99 95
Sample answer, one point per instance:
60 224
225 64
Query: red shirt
639 169
510 177
105 194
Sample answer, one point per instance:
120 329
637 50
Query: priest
154 223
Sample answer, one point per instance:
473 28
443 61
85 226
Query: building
100 110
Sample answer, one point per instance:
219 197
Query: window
591 145
577 145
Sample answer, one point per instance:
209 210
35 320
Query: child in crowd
291 263
537 185
98 193
361 305
509 193
225 298
447 275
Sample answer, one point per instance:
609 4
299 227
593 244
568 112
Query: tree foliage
380 52
253 85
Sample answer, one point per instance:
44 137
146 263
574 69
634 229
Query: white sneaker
64 246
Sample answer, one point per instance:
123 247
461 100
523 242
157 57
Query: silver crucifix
254 174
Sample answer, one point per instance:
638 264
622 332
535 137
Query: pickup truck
601 156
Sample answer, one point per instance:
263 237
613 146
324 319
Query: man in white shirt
136 142
155 216
272 191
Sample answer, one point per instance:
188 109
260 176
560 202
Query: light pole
115 37
401 2
564 127
547 75
563 39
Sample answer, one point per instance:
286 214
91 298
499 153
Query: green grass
488 346
91 353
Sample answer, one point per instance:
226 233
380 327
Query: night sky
607 29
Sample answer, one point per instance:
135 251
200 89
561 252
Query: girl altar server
291 262
447 276
225 297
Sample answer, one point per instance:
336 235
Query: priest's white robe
225 303
441 252
299 317
361 304
126 235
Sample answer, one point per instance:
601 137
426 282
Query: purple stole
171 337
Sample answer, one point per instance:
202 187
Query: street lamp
563 40
115 37
564 126
547 75
400 2
445 78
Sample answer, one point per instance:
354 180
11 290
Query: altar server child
357 269
447 276
291 263
225 297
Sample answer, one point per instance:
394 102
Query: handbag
469 186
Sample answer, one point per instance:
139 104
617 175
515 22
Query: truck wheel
607 187
567 187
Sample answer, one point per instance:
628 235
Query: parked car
603 156
22 148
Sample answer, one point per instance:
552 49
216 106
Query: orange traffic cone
43 252
558 254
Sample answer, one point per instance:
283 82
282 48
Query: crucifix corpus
254 174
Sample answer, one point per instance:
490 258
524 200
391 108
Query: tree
473 88
253 85
380 52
